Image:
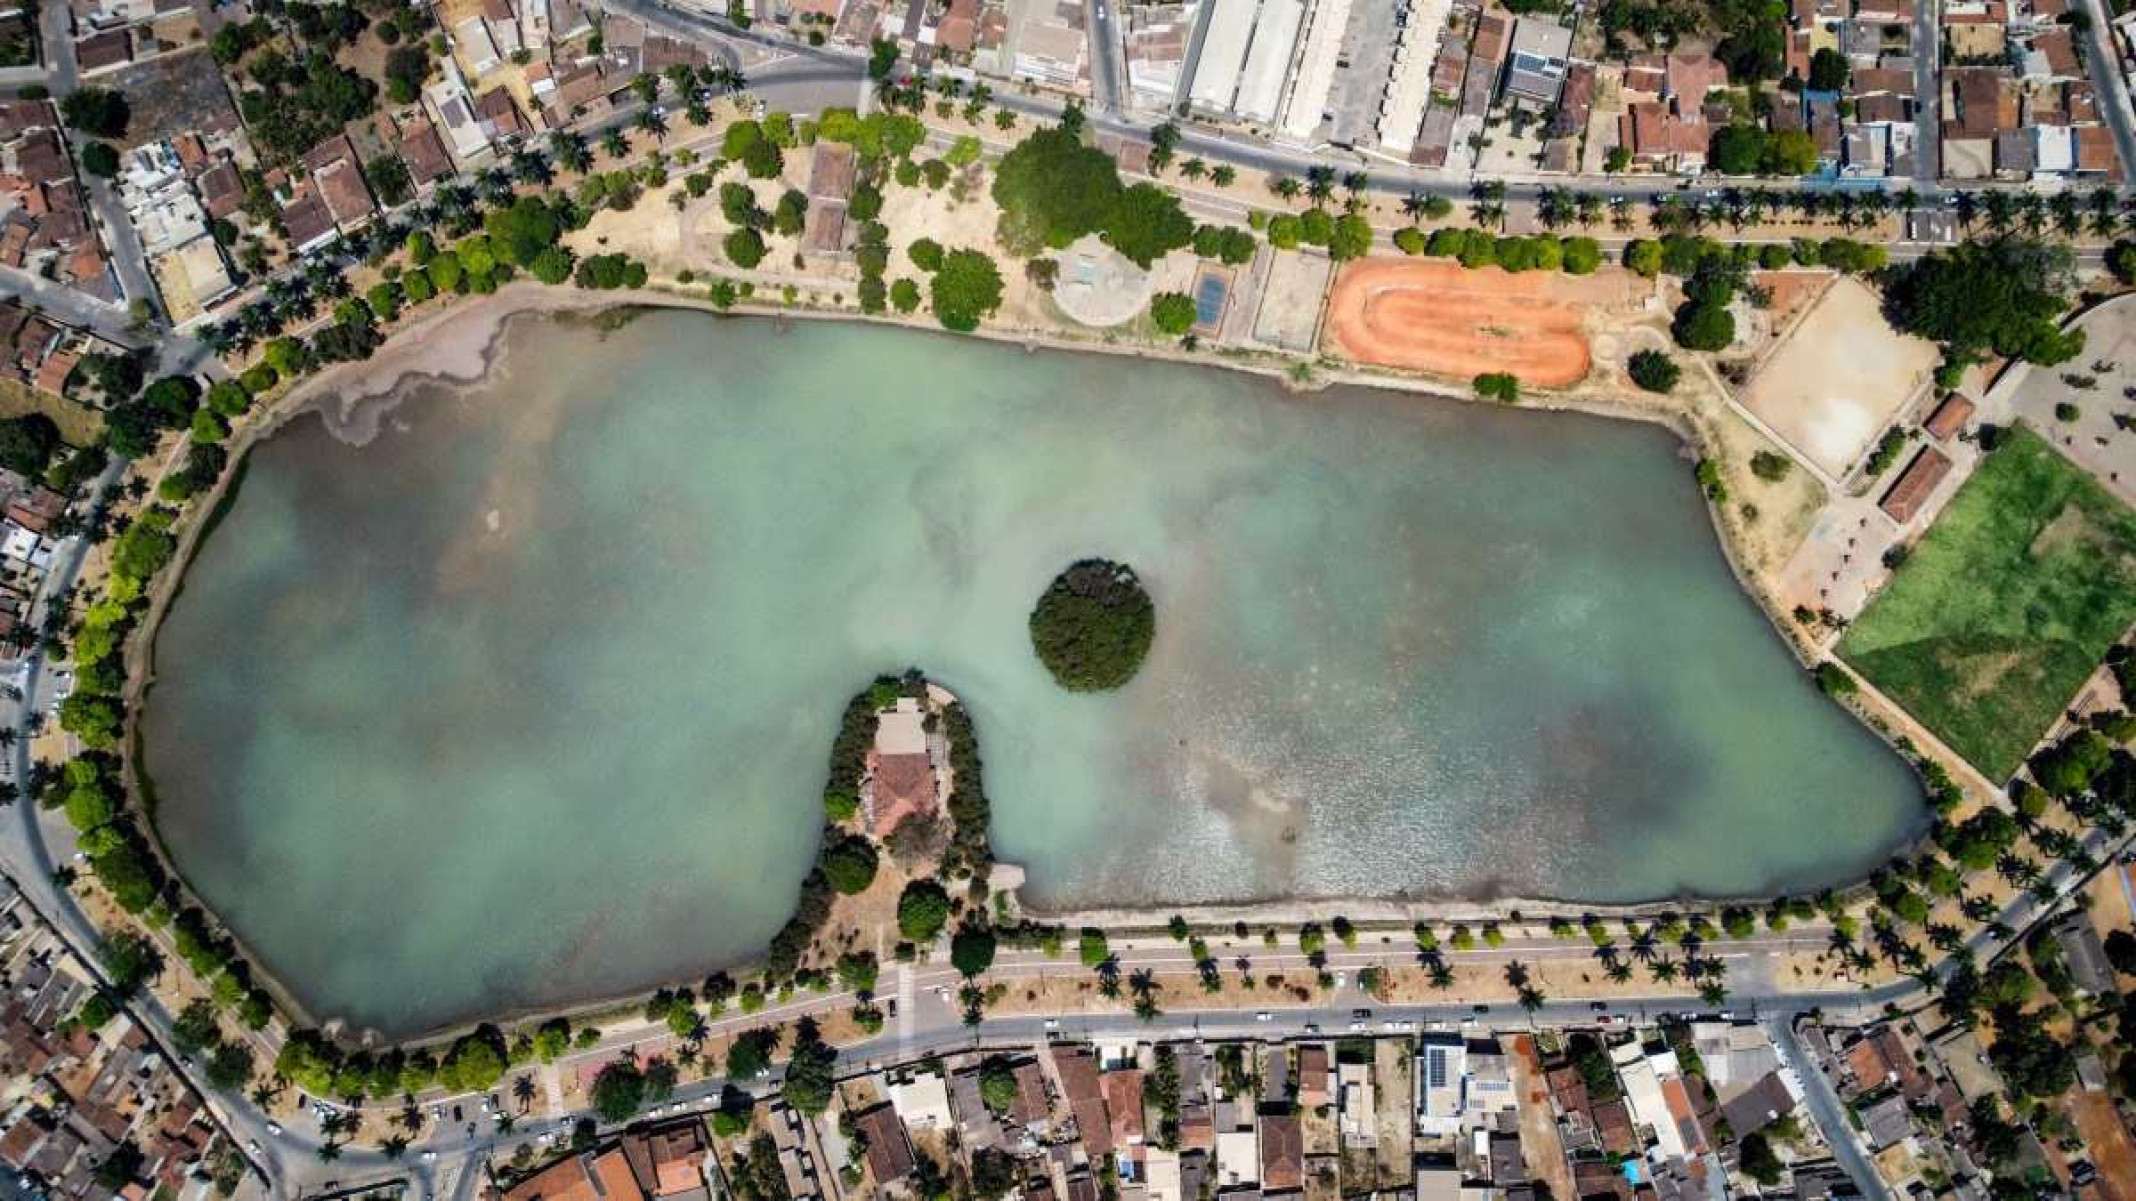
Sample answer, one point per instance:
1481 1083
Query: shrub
1654 370
1500 386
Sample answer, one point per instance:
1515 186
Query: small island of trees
1093 626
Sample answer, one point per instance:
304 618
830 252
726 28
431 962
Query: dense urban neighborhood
1870 262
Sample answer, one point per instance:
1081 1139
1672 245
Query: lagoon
528 700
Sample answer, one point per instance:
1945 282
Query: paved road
1826 1107
1106 48
2105 66
121 240
1928 96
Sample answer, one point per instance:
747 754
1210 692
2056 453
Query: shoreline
467 344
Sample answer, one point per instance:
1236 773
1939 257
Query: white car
430 1157
275 1129
1264 1016
1053 1023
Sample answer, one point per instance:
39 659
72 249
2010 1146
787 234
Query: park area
1839 378
1439 317
2007 605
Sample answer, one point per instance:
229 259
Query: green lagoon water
528 700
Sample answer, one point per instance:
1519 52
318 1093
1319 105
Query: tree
849 864
1654 370
750 1055
2003 296
1500 386
905 297
475 1063
972 949
965 290
1770 466
744 247
1052 189
1172 312
99 159
27 443
2032 1062
1737 149
994 1173
97 112
1755 1156
882 56
926 254
1145 222
811 1071
997 1084
1703 326
1093 625
922 911
1351 238
619 1090
196 1028
1828 70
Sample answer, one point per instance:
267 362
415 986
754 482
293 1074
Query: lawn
2005 607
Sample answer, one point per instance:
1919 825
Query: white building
1275 35
1223 54
1314 79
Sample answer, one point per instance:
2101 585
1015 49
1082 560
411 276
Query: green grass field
2014 596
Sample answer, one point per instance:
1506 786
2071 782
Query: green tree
1500 386
1828 70
99 159
1172 312
475 1063
905 296
618 1091
1350 239
972 949
1145 222
1755 1156
744 247
922 911
2003 297
1654 370
98 112
849 864
1703 326
811 1071
1051 190
997 1084
966 290
1737 149
1093 625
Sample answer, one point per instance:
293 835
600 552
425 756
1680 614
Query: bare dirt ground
2107 1139
1839 377
1439 317
1539 1141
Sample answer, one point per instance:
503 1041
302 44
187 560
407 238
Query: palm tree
1413 205
1355 182
1319 183
1619 971
1663 969
1442 975
329 1151
653 123
394 1147
1588 207
2032 209
1284 186
614 144
523 1092
1223 175
1193 168
2062 207
1909 200
531 166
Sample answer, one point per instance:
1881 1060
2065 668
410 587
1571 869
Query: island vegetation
1093 626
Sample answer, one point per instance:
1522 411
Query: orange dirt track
1438 316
